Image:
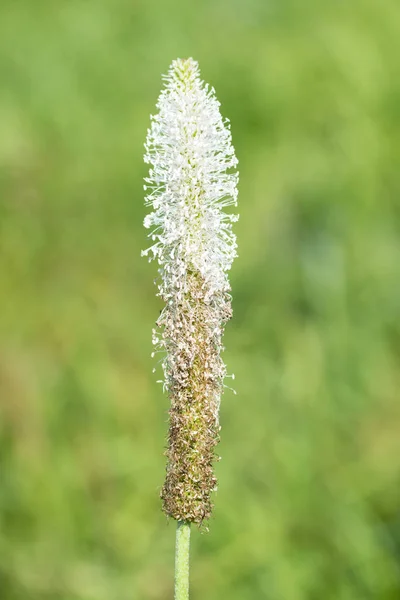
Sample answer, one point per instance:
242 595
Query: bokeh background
308 505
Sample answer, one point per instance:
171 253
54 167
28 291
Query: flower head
190 183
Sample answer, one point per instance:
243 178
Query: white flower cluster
191 155
191 181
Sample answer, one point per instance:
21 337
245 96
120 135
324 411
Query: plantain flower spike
192 179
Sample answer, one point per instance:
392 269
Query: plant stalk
182 560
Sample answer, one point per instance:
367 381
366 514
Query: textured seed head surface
191 181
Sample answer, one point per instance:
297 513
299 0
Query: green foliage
309 482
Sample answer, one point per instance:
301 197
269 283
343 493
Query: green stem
182 560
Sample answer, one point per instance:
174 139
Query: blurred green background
308 505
